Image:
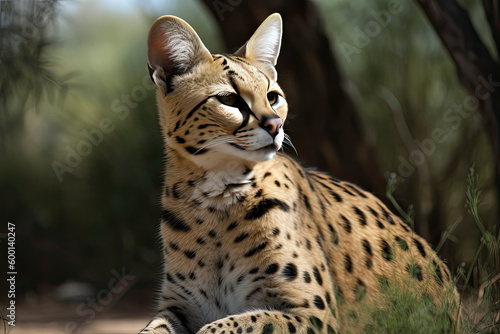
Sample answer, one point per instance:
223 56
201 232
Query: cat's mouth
268 148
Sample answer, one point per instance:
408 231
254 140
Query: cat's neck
228 180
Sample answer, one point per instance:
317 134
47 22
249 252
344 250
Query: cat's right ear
174 48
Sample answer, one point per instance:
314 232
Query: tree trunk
323 122
477 71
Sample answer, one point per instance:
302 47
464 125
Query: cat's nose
272 125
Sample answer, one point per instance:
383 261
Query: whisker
213 143
288 141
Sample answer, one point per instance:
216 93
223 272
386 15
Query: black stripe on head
231 80
242 106
238 59
196 108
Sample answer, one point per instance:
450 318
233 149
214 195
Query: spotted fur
252 241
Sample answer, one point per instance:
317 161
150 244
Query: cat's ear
173 49
264 45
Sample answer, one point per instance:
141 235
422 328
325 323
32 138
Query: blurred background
383 93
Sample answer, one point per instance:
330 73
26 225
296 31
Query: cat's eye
273 98
229 100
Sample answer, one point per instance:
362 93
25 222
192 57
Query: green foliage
410 313
481 312
408 217
26 69
400 310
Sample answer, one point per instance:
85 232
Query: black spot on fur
307 277
291 328
420 247
265 206
373 212
335 237
170 278
268 329
319 303
316 322
174 222
175 190
290 271
180 140
190 254
386 251
177 125
387 215
415 271
405 227
203 126
300 173
232 226
361 216
347 224
241 237
348 263
328 298
367 247
256 249
272 268
317 275
306 203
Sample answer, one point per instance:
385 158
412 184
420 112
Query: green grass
481 301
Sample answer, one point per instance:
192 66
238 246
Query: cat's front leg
166 322
267 322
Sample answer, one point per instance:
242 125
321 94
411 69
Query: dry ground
48 316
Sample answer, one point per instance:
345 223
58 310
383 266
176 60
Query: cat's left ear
264 45
174 49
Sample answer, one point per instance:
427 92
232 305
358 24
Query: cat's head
216 108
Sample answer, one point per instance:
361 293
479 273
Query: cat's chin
264 154
245 155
